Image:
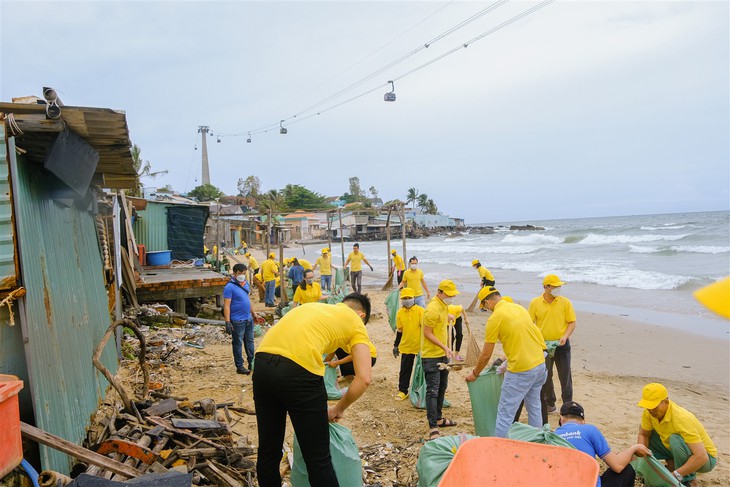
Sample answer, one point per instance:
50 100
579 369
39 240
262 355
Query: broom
389 283
472 348
473 303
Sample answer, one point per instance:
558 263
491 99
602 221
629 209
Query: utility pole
204 129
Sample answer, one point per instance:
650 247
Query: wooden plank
76 451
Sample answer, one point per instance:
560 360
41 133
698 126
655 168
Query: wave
533 238
594 239
670 250
665 227
471 249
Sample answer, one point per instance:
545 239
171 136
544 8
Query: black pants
457 334
406 368
543 410
281 386
624 479
437 381
562 363
349 367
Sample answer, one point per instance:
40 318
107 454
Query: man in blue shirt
296 273
588 439
237 313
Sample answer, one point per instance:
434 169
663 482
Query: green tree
205 192
143 169
251 186
297 197
271 200
373 191
431 207
355 191
422 201
411 195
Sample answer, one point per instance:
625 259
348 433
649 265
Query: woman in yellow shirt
307 291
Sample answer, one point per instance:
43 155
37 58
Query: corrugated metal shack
55 268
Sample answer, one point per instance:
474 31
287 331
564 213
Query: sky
579 109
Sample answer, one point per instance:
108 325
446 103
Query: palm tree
411 195
272 200
143 169
423 201
431 207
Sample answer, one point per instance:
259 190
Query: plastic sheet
525 432
654 473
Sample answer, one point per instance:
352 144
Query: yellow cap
508 299
448 287
716 297
485 292
272 255
392 251
552 280
407 292
652 394
325 250
474 262
247 254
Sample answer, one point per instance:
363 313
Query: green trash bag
392 303
654 473
339 278
484 395
551 346
417 391
330 383
525 432
345 459
257 330
435 457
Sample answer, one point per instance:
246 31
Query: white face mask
448 300
241 278
556 291
413 267
309 281
408 303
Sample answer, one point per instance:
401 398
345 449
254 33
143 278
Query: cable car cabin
282 131
389 97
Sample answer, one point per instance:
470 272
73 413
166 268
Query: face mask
556 291
448 300
413 267
309 281
408 303
241 278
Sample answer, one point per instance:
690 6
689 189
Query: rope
8 302
179 264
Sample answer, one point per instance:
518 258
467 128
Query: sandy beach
612 359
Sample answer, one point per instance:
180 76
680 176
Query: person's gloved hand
395 352
229 328
502 368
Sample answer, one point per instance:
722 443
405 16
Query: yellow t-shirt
311 295
455 310
373 351
679 421
325 266
269 270
306 333
521 340
552 318
408 320
355 261
253 263
398 262
306 264
484 273
412 279
435 316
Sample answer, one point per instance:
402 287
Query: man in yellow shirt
356 258
269 271
307 291
554 316
288 377
674 434
407 339
398 265
414 279
487 279
435 351
511 325
253 264
325 268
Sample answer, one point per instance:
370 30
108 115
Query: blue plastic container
161 257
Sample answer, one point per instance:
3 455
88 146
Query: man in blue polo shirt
237 313
589 439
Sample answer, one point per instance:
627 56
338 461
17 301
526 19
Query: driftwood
49 478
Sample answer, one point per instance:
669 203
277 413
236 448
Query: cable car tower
204 129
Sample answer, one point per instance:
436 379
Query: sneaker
400 396
242 370
552 409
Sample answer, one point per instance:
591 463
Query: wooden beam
76 451
37 123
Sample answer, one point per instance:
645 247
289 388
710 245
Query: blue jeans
242 335
421 301
436 383
516 387
269 296
326 281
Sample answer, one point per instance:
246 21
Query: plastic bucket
161 257
500 461
11 446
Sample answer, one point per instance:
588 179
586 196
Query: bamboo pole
268 235
402 216
282 277
329 231
389 282
342 238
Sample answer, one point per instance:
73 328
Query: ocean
641 267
